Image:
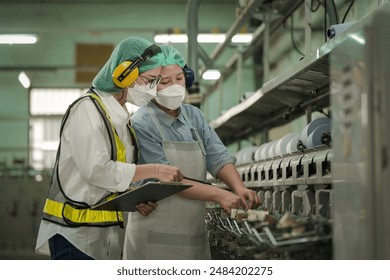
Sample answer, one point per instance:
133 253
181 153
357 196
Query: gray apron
176 229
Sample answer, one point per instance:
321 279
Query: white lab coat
87 174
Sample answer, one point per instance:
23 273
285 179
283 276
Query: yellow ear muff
127 72
124 75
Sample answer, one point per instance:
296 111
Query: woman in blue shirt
177 134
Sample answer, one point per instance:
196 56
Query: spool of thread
292 146
257 154
308 129
237 156
272 149
266 151
281 144
316 138
247 154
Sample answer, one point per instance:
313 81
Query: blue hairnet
129 49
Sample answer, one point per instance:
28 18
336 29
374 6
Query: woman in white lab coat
96 158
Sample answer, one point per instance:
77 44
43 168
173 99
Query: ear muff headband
127 72
189 76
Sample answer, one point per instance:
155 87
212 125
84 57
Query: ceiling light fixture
24 80
13 39
211 74
211 38
170 38
202 38
242 38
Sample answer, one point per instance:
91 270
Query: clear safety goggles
151 83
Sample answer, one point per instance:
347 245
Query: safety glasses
151 83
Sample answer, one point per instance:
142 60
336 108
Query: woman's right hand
229 201
168 173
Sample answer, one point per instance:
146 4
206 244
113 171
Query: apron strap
194 132
156 121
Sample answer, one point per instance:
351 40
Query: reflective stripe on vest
80 216
73 213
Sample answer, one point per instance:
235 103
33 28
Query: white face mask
140 95
171 97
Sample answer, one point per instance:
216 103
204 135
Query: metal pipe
256 42
308 27
205 57
240 65
244 17
192 33
332 13
266 45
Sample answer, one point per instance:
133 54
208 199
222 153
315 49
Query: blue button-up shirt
177 129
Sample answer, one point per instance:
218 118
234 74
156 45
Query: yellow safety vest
59 208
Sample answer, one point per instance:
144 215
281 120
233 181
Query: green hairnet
129 49
172 56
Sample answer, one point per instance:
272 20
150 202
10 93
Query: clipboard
150 191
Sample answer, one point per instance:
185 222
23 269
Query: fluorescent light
24 80
170 38
211 38
12 39
242 38
202 38
211 75
358 38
